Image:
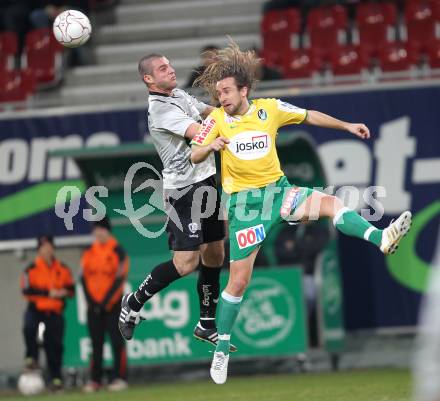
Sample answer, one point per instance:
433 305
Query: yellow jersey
250 160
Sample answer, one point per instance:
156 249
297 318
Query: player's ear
244 91
148 79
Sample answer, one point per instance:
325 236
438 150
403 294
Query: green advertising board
271 322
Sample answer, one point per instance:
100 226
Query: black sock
159 278
208 287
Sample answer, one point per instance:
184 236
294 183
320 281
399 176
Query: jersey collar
158 94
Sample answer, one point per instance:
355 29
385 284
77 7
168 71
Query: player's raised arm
324 120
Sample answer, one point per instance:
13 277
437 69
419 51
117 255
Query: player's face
162 75
230 96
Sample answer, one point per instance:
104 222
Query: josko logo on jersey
250 236
207 127
250 145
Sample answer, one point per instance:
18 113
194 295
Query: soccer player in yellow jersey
244 132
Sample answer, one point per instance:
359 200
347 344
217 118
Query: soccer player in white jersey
174 117
244 132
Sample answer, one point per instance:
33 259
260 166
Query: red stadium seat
376 23
348 60
16 86
421 18
279 28
43 55
326 27
397 56
434 54
8 49
301 63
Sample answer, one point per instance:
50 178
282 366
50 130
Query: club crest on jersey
250 236
207 127
262 115
290 202
250 145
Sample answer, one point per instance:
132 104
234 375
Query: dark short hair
44 239
104 223
144 66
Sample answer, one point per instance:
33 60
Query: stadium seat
397 56
326 27
348 60
376 24
43 55
434 54
280 29
421 19
8 49
16 86
301 63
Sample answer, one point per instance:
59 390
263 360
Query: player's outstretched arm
200 153
324 120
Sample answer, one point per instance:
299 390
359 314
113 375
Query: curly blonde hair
230 62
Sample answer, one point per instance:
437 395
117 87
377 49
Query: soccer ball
30 383
72 28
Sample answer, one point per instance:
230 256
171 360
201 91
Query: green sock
228 309
350 223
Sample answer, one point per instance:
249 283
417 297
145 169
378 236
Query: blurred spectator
14 17
207 55
45 11
104 271
46 283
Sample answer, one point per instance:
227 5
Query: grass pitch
361 385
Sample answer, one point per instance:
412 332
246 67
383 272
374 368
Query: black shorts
193 213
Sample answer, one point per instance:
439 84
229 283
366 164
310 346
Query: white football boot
219 367
392 235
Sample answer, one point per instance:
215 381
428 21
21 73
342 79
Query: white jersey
168 119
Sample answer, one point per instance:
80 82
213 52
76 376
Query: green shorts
253 213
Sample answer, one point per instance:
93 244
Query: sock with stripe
159 278
208 288
229 306
351 223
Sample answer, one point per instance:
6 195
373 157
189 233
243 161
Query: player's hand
219 143
360 130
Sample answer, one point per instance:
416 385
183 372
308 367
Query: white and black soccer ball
72 28
30 383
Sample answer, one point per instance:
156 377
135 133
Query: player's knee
330 205
186 265
214 258
213 254
237 286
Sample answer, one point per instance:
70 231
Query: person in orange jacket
46 283
104 272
